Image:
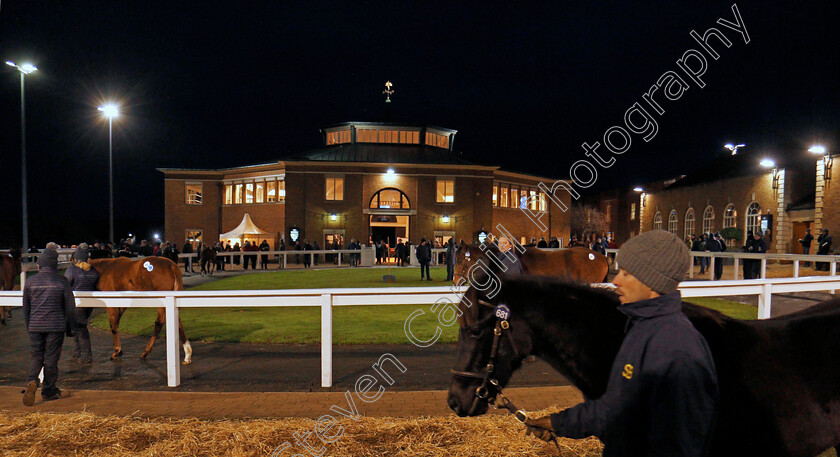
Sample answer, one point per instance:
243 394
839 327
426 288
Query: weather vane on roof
388 91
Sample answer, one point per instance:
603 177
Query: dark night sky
212 84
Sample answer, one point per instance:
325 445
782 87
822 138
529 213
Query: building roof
382 153
740 165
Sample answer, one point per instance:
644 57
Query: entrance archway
390 216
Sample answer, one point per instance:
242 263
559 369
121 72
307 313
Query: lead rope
518 413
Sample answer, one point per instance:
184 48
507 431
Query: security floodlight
110 110
768 163
390 171
817 149
638 189
445 219
333 217
733 147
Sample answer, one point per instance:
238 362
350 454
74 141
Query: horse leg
2 315
114 315
161 317
186 343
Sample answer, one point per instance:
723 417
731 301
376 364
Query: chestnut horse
779 379
575 264
145 274
9 270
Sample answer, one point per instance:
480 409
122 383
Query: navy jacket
662 391
48 302
81 279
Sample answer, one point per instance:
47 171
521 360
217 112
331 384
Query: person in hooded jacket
82 277
49 311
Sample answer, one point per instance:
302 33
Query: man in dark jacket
823 248
449 258
82 277
759 247
720 246
424 257
49 310
805 241
662 390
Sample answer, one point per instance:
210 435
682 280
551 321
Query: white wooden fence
326 299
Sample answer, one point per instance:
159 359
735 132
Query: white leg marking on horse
187 353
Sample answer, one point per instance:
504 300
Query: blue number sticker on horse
503 312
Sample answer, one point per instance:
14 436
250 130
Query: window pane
271 191
260 192
330 189
249 192
339 188
533 203
445 189
228 194
514 197
495 195
503 199
238 194
194 194
632 211
281 190
543 202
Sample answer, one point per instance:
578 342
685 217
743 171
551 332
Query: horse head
475 263
15 253
493 341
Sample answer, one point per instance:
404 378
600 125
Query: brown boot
58 396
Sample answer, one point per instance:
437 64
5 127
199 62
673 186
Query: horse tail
179 277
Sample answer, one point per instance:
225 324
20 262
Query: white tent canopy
245 228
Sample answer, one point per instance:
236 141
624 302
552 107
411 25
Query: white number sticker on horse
591 256
148 265
503 312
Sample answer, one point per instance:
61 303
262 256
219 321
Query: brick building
737 191
369 181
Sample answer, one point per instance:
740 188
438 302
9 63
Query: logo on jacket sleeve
628 371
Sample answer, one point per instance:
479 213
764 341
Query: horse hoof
116 355
186 362
143 355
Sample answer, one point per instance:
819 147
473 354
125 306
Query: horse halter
490 387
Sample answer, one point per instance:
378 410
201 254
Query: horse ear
462 245
485 303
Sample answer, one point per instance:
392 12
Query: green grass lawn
351 324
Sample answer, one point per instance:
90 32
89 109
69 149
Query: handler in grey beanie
49 311
82 277
662 388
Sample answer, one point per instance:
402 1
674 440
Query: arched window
689 223
389 199
657 221
672 222
729 215
753 217
709 220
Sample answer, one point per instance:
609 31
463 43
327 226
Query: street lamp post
24 70
110 111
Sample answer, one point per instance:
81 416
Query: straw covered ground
85 434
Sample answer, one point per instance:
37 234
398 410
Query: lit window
237 194
533 203
729 216
260 192
335 189
445 191
271 191
514 197
194 194
281 191
495 195
341 136
689 223
543 202
657 221
632 211
228 194
672 222
194 236
503 198
709 220
754 218
249 192
434 139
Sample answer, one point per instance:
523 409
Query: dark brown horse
207 259
779 379
575 264
145 274
9 270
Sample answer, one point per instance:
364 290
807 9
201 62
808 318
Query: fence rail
326 299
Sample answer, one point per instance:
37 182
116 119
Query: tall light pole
110 111
24 70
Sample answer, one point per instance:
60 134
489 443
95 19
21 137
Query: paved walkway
271 404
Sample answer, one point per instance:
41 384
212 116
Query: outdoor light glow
391 171
733 147
11 64
638 189
333 216
130 235
445 219
817 149
729 146
156 236
25 68
110 110
769 163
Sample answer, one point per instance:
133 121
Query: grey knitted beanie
657 258
48 259
81 255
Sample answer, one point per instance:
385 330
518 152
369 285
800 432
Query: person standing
748 249
82 277
662 390
316 247
398 252
307 258
186 249
449 258
823 248
759 247
721 245
805 241
264 258
49 310
513 267
424 257
543 243
281 261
